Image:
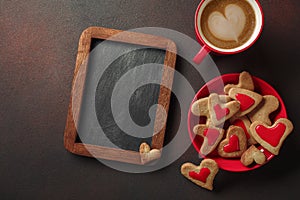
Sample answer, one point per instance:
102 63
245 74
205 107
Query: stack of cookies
236 124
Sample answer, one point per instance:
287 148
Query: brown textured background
38 48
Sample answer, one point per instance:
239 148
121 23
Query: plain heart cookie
202 175
268 105
211 137
235 143
271 137
219 111
253 154
245 82
148 155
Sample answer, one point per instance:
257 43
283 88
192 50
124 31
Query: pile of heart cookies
237 122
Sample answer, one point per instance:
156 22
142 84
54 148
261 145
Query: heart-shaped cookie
244 123
211 137
268 105
271 137
219 111
235 143
227 26
248 100
202 175
148 155
200 107
245 82
253 154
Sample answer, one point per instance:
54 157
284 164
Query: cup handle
201 54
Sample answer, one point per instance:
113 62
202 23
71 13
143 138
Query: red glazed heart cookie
245 82
202 175
248 100
244 123
253 154
211 137
200 107
220 112
235 143
271 137
268 105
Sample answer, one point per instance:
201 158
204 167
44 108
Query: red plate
216 86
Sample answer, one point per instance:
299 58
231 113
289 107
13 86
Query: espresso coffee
228 24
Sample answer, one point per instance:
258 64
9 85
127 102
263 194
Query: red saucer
216 86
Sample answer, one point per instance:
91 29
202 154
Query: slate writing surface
108 62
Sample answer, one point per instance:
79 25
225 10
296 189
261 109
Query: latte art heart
228 26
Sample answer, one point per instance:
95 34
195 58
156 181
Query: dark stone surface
38 49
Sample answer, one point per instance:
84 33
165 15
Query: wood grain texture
107 153
76 99
165 95
78 84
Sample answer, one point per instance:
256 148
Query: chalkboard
104 57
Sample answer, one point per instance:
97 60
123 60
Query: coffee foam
228 26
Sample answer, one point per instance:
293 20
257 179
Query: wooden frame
103 152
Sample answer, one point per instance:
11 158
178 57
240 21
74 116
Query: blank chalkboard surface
105 56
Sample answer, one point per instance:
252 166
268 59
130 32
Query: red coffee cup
208 46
